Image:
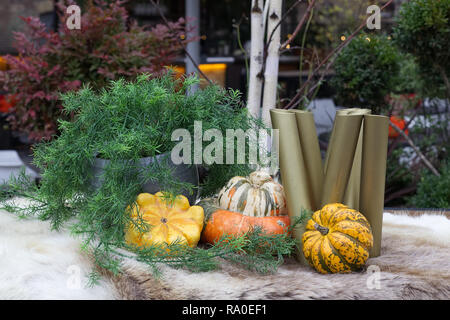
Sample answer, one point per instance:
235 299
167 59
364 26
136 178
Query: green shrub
433 191
422 29
366 71
398 177
409 78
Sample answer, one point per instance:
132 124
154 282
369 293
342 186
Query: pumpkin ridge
242 203
233 189
316 217
330 257
315 249
359 243
361 231
276 208
152 221
174 227
364 226
176 214
185 220
309 234
181 237
152 212
358 247
310 248
239 183
360 219
269 202
326 216
341 258
232 192
157 230
334 217
221 194
338 216
165 229
352 266
338 209
321 258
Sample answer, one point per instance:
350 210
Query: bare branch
395 140
416 149
332 55
299 25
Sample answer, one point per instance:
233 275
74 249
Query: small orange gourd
219 222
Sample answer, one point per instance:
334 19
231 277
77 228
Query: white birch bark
256 58
272 62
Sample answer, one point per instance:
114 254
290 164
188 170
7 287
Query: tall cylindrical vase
340 156
294 175
373 173
352 192
311 154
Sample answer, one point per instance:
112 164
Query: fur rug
36 263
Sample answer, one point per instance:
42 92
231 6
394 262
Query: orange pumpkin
221 222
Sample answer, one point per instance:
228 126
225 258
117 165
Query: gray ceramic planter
182 172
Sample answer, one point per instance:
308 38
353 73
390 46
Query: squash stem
323 230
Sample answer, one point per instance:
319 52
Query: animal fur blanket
37 263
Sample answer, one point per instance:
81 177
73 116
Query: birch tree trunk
272 62
256 58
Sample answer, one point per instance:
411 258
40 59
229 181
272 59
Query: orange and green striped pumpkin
337 239
256 196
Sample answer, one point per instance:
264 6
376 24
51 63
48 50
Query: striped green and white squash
256 195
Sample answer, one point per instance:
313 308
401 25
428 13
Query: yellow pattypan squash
169 222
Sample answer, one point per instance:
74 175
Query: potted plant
119 141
